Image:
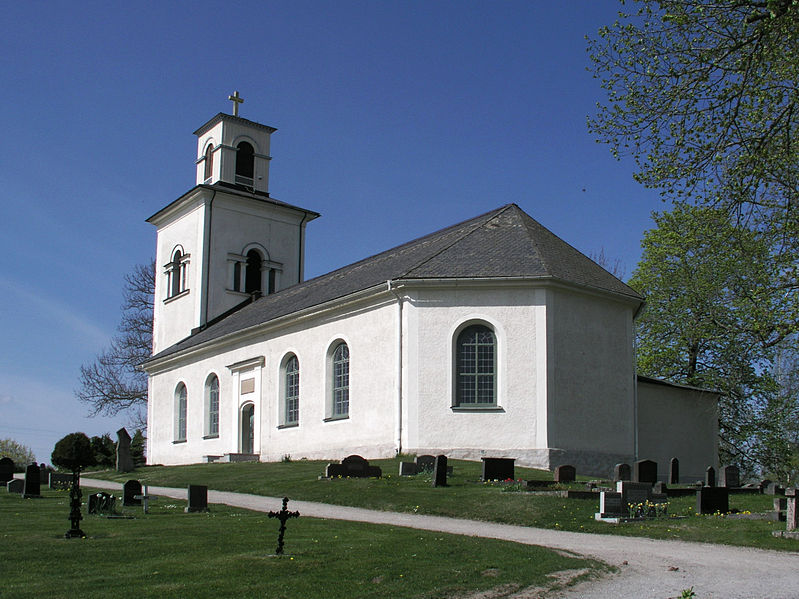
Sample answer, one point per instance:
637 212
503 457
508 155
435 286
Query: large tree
705 96
113 383
715 318
20 454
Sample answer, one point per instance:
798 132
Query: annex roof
505 243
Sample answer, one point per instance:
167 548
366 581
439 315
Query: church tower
225 241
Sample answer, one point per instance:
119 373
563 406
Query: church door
247 428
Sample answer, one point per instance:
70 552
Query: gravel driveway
648 568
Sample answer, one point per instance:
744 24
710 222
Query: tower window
252 276
209 162
245 163
176 273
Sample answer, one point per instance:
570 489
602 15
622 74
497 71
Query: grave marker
60 480
622 472
645 471
440 471
425 462
408 469
146 498
674 471
283 515
16 485
6 470
730 476
710 500
498 469
198 499
32 482
710 477
792 514
611 506
124 457
565 474
129 491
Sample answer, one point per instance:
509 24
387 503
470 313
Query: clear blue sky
394 119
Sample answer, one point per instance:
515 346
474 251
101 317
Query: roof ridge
482 220
536 245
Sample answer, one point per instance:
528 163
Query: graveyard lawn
467 497
227 552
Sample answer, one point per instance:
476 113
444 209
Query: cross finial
236 101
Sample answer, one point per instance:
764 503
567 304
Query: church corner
427 348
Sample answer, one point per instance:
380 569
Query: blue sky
394 119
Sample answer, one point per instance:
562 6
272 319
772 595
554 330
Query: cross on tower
283 515
236 101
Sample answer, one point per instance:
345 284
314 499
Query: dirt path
648 568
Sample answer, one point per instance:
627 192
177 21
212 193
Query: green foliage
716 316
137 445
705 96
73 452
104 451
20 454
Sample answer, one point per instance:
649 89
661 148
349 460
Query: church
490 338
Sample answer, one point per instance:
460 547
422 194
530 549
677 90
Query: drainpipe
300 257
390 288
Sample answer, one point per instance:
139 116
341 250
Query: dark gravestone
634 493
611 506
333 470
498 469
408 469
730 476
6 470
425 463
622 472
32 482
565 474
198 499
774 489
15 485
124 457
710 477
129 491
440 471
674 471
645 471
357 467
710 500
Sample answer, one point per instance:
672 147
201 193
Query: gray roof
504 243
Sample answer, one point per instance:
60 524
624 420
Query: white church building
490 338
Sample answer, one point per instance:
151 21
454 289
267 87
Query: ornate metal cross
283 515
236 101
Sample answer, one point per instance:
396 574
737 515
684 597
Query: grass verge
226 553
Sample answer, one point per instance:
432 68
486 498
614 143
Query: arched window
245 163
341 381
176 273
181 407
476 367
252 276
291 391
212 406
209 162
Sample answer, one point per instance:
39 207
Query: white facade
561 386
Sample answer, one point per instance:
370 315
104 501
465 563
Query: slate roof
503 243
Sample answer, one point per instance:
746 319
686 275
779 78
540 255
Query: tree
74 452
112 383
105 451
20 454
716 318
705 96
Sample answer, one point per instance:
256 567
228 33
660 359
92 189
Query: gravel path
648 568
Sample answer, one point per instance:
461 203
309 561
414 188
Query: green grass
466 497
227 553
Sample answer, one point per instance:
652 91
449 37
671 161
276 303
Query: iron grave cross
283 515
236 101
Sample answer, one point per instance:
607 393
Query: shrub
73 452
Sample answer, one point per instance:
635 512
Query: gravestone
611 506
15 485
32 482
124 457
710 477
622 472
283 515
44 474
146 498
730 476
129 491
710 500
659 487
425 463
674 471
565 474
440 471
59 480
198 499
353 466
774 489
408 469
645 471
633 492
498 469
791 514
6 470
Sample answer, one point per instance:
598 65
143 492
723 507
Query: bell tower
225 242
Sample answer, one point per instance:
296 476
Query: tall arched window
209 162
341 381
212 406
175 277
252 276
291 391
181 408
245 163
476 367
176 272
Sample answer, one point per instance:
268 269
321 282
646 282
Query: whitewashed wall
678 422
